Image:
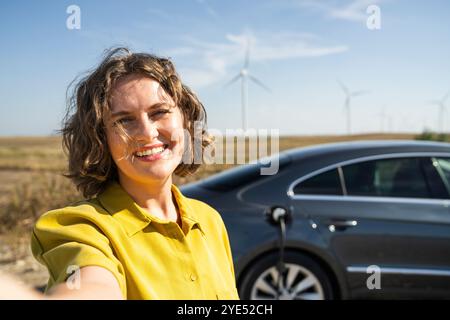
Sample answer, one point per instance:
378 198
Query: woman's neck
156 197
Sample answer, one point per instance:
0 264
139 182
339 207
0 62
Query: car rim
296 283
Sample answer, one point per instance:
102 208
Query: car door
391 213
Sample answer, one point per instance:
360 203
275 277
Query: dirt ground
16 260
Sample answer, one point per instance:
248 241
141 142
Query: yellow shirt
151 258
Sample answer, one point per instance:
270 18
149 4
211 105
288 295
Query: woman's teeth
150 152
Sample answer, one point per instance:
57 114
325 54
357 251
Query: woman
129 128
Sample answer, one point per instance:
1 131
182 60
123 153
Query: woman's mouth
152 154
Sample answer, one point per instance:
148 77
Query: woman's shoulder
202 207
203 212
194 207
195 203
89 210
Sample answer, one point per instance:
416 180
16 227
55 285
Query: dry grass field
32 183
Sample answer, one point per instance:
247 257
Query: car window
400 177
435 176
444 165
327 183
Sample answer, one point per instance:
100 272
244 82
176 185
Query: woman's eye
160 112
124 121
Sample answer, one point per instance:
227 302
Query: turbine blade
359 93
236 78
258 83
247 54
343 87
434 102
445 97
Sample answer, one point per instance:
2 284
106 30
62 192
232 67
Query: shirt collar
134 218
187 213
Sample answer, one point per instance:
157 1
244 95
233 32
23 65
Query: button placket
178 237
185 255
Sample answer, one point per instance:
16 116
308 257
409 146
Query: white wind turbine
244 75
441 104
348 96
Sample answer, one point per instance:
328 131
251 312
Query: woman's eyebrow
153 106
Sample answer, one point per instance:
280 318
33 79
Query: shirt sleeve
65 241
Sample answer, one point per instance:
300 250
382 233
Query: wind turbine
244 75
348 96
441 104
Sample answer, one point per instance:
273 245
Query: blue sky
298 48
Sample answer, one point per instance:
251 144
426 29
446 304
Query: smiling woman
128 129
149 117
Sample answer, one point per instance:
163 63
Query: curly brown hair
91 166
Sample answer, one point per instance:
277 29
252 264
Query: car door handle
341 224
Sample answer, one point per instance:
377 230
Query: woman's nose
147 129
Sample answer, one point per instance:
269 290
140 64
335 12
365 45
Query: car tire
304 279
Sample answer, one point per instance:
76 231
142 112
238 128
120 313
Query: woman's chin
148 172
157 172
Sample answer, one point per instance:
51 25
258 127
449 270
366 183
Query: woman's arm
92 283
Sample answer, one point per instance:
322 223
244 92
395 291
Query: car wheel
303 279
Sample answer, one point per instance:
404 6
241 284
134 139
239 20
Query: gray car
363 219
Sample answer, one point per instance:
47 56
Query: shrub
30 199
433 136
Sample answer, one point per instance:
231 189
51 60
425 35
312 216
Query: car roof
367 147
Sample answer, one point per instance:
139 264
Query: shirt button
193 277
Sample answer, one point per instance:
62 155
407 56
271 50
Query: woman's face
154 124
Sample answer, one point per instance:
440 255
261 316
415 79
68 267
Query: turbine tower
441 104
348 96
244 75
